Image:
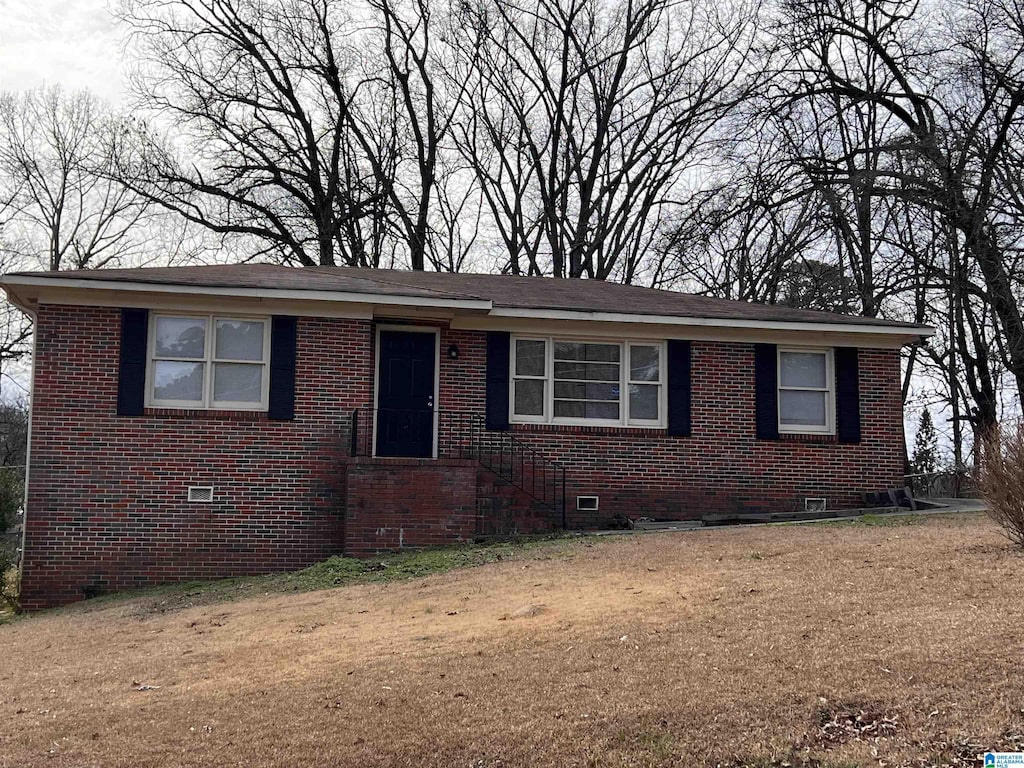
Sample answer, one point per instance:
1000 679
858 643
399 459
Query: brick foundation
396 504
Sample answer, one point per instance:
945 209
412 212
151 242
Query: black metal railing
946 484
464 435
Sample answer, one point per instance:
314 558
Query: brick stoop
394 504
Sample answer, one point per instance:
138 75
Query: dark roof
506 291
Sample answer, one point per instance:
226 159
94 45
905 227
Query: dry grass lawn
738 647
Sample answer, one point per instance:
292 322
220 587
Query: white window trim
548 407
207 403
829 427
625 371
661 383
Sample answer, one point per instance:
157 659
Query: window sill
204 414
590 429
807 437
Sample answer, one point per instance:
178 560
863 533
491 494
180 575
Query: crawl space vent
587 503
203 493
815 505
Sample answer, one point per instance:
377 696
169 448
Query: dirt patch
527 611
836 646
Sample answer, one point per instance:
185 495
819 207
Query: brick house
201 422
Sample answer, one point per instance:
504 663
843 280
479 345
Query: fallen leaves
839 726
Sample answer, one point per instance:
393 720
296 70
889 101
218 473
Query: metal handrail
948 483
462 434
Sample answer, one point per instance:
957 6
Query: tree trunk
1002 300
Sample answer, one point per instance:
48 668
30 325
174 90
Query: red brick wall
396 504
722 467
107 506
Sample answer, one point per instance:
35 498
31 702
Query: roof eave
21 281
19 288
908 331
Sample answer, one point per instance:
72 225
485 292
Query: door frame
437 374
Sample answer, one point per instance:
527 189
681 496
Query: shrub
8 575
1002 480
11 493
13 446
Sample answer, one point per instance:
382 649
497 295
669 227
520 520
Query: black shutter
498 349
679 388
847 395
131 382
766 391
282 368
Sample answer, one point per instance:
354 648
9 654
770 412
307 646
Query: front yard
897 643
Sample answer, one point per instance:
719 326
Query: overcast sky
70 42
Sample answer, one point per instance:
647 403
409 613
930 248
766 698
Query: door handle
430 402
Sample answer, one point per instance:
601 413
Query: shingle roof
504 291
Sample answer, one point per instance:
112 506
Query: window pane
643 363
237 382
570 409
180 337
572 390
530 358
529 397
580 409
177 381
595 353
643 401
587 371
802 369
239 340
803 409
602 410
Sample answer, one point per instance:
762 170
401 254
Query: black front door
405 394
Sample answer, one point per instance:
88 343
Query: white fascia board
708 322
588 329
249 293
204 303
18 301
201 302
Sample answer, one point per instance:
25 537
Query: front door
405 394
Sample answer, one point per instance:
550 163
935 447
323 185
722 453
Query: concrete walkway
960 505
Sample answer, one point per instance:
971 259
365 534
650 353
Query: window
530 379
563 381
806 392
208 361
587 381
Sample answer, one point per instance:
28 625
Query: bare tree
260 96
427 193
581 116
740 238
901 152
61 206
951 114
64 211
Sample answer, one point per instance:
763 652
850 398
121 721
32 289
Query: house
202 422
